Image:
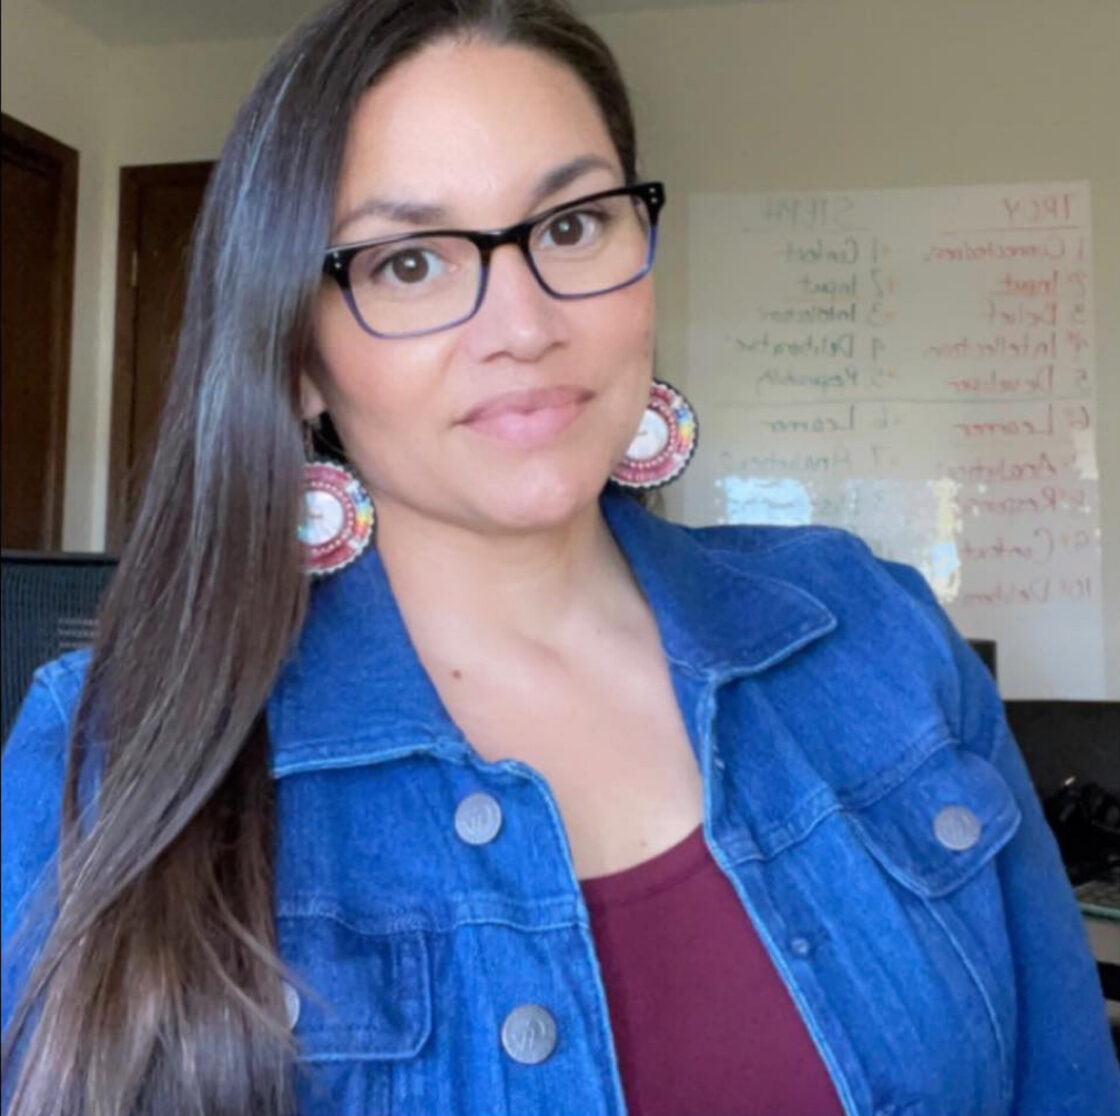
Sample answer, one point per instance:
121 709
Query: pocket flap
942 823
357 994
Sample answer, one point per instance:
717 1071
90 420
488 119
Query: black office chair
49 604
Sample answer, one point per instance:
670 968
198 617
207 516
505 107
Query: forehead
471 127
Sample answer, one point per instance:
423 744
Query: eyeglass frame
337 259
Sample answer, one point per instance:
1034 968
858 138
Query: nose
517 316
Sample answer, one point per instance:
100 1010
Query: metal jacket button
529 1034
291 1003
478 819
800 947
957 828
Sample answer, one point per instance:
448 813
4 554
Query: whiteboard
917 366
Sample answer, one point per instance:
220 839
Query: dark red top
702 1021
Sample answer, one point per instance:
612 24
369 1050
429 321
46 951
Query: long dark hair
158 987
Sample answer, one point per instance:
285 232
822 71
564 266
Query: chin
541 501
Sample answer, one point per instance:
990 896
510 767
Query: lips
526 402
528 418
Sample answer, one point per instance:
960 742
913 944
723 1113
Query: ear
311 401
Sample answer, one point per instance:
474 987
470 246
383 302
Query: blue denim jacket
861 792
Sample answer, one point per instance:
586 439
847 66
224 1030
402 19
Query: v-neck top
702 1021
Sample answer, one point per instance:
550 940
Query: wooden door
158 208
40 186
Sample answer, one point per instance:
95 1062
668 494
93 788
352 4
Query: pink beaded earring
338 514
665 441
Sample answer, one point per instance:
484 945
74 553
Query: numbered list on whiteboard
916 366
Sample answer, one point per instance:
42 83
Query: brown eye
408 267
413 267
567 229
577 228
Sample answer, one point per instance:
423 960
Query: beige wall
807 94
175 103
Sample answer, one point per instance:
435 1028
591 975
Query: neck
457 587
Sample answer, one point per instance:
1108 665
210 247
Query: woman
537 804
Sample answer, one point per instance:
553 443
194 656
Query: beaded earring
665 441
338 514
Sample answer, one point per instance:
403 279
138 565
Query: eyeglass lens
427 282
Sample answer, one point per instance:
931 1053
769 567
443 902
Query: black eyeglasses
417 283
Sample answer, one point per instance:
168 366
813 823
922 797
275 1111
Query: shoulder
48 706
798 553
891 628
834 562
765 538
31 778
771 541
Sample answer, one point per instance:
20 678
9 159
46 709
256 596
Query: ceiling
124 22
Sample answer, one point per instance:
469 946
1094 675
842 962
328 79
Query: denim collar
355 690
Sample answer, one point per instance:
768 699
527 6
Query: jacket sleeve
31 780
1065 1062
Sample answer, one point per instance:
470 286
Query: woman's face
474 129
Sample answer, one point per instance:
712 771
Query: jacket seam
978 984
771 842
44 676
806 534
883 783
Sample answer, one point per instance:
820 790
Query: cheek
626 338
368 382
620 326
342 349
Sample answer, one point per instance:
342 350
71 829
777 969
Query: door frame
37 149
133 181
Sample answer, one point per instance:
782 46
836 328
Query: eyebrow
422 214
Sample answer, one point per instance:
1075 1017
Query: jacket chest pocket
359 1003
942 824
936 835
